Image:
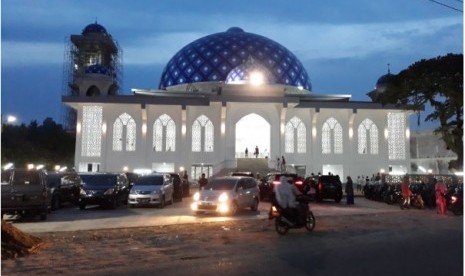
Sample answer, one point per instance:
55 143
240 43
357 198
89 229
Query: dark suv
267 183
25 192
64 188
106 189
329 186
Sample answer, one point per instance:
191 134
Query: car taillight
454 199
320 186
299 182
276 182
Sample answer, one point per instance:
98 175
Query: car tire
161 205
43 215
254 206
338 199
82 206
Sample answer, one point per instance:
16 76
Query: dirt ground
101 251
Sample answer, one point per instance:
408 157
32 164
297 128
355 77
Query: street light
10 119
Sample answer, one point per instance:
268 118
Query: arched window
202 134
124 133
295 128
396 138
91 141
164 126
331 137
367 137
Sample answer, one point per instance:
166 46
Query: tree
47 144
438 82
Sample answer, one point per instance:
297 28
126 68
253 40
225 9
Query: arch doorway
252 131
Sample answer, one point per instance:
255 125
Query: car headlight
196 196
132 192
156 192
82 192
109 191
223 197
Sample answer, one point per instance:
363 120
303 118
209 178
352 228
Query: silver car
152 189
226 195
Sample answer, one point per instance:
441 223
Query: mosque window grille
124 133
331 137
164 126
396 138
203 134
91 144
295 128
368 140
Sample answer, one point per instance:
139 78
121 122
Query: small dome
94 28
98 69
382 82
224 56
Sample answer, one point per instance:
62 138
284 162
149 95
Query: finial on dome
235 30
389 68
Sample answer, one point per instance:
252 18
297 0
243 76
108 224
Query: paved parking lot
70 218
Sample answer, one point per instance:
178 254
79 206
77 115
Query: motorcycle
455 202
305 217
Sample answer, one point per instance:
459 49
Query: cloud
308 41
19 53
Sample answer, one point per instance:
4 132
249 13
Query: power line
447 6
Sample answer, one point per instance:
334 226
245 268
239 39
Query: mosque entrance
252 131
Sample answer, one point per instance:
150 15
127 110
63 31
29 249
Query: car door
241 192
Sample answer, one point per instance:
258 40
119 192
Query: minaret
92 66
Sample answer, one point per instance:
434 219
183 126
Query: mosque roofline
204 99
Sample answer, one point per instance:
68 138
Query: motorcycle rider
286 194
406 193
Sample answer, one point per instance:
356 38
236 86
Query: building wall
350 162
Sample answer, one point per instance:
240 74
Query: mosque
218 96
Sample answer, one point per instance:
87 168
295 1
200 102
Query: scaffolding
81 53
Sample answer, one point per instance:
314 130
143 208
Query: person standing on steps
246 152
256 152
283 164
202 181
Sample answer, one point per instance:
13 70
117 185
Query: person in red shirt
441 190
406 193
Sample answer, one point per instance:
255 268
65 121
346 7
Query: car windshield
26 177
150 180
221 184
6 177
99 179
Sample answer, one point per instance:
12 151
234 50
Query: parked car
25 192
177 187
226 195
329 186
152 189
105 189
267 185
64 188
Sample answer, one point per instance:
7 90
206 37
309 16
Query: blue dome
94 28
217 56
382 82
98 69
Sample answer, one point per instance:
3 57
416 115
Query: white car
152 189
226 195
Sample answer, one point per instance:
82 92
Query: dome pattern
217 56
94 28
98 69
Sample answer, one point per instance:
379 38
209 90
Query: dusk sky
345 46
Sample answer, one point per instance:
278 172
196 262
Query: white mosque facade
217 96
